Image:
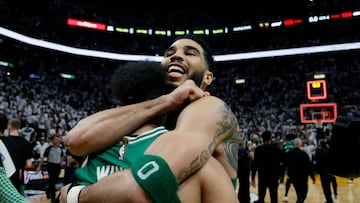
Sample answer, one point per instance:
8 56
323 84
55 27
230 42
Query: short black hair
139 81
290 136
266 136
3 122
207 51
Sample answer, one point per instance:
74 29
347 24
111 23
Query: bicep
201 126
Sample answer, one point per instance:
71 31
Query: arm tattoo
231 142
228 125
197 163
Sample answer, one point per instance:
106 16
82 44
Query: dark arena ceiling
46 20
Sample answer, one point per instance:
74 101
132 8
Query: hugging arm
105 128
202 127
206 127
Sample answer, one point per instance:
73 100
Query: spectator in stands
27 131
20 151
8 192
40 147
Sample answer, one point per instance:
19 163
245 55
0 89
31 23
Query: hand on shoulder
188 91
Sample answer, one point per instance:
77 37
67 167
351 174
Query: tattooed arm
204 128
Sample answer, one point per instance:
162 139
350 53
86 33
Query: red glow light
346 14
328 112
289 22
316 89
86 24
335 16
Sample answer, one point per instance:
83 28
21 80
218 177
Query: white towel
6 159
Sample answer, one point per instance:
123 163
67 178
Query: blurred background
280 65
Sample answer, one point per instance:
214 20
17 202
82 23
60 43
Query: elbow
76 144
140 198
138 195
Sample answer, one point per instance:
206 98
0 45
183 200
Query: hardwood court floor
347 193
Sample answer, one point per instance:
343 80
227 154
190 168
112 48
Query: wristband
74 193
71 186
155 177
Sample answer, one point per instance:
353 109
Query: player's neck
14 133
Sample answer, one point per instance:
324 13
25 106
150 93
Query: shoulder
207 100
211 109
209 105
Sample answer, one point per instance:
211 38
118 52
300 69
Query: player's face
184 59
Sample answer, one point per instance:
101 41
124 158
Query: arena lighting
160 32
168 33
356 13
319 76
86 24
76 51
198 32
207 31
110 28
264 25
6 64
242 28
344 15
141 31
347 14
131 30
276 24
123 30
261 25
180 32
290 22
67 76
335 16
240 81
130 57
314 19
218 31
289 52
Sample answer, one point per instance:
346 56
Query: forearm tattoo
228 126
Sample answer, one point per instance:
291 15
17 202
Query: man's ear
208 77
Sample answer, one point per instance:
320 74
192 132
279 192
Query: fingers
188 91
195 92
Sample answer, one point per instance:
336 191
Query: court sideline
348 192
